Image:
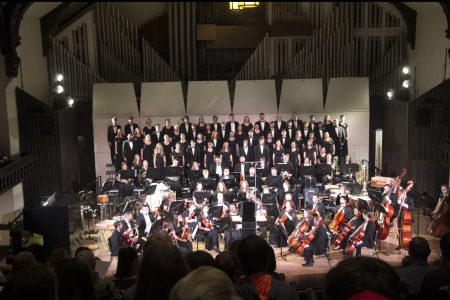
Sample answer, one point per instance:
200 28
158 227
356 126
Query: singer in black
112 132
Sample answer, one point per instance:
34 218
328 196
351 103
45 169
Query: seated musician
285 223
129 227
143 172
253 179
136 164
318 206
287 190
181 234
229 227
286 165
241 167
344 207
217 167
352 225
403 203
270 207
328 174
369 235
347 173
274 180
167 203
173 181
244 189
228 179
208 183
190 215
125 179
116 242
343 193
206 229
319 243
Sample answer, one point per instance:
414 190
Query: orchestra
212 169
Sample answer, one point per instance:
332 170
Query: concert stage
313 277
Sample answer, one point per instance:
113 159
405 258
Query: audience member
38 253
105 288
57 256
75 280
199 259
22 260
125 276
436 283
356 275
204 283
412 275
161 267
35 282
257 264
228 262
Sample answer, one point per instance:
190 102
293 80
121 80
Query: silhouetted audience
75 280
56 257
413 274
199 259
436 283
228 262
257 264
125 275
204 283
363 277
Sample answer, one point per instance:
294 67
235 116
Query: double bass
406 232
355 239
384 220
439 217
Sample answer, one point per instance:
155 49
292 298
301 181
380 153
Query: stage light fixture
59 77
70 101
406 70
406 83
59 89
390 94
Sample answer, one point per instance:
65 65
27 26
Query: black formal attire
277 234
290 133
246 128
345 146
129 150
369 238
186 128
317 246
305 133
252 142
274 181
278 290
319 135
311 127
320 207
185 247
339 142
119 157
176 137
214 168
147 154
397 213
242 166
143 221
285 142
296 123
230 232
276 133
178 156
247 152
228 128
217 144
216 127
226 158
211 237
157 137
329 127
130 128
223 133
280 125
356 223
147 130
209 159
328 146
266 128
193 135
278 153
202 129
159 164
116 243
265 153
111 136
322 159
168 131
167 153
240 138
234 148
138 143
293 158
192 154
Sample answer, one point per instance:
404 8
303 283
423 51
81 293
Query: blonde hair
205 283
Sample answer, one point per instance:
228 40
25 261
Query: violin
344 232
356 238
295 239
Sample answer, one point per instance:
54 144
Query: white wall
429 56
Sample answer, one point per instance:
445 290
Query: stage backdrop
162 100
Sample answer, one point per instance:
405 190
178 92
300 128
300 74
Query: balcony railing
16 172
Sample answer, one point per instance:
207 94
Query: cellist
345 209
318 245
369 234
285 223
408 204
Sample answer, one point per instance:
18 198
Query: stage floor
291 265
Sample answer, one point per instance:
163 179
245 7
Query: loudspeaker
248 228
423 117
249 209
308 194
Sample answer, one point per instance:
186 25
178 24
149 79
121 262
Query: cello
338 219
406 232
384 220
356 238
439 217
344 232
307 239
295 239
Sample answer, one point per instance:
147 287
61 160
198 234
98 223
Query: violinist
319 243
144 221
181 234
285 223
274 180
230 232
404 203
369 235
206 229
130 235
190 216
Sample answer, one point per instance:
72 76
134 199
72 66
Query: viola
355 239
206 223
307 239
295 239
344 232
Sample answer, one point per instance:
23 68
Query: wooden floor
291 265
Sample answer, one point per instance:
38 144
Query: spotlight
406 83
390 94
59 89
406 70
70 101
59 77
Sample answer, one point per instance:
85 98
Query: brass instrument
336 167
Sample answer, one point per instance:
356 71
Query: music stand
173 171
126 174
200 195
349 168
380 208
153 174
262 172
177 207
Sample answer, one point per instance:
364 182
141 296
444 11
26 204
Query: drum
102 199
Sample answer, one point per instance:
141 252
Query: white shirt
148 223
262 148
131 144
242 168
279 124
219 170
132 129
186 125
115 129
215 126
262 126
215 142
246 150
233 127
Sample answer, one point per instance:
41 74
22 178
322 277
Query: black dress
328 146
240 139
322 159
310 154
209 157
278 155
167 153
138 143
232 146
226 158
246 128
147 154
119 156
179 156
159 162
176 138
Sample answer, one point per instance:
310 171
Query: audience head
419 249
161 267
254 255
126 263
228 262
38 253
445 246
88 257
355 275
22 260
75 280
199 259
57 256
203 284
35 282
